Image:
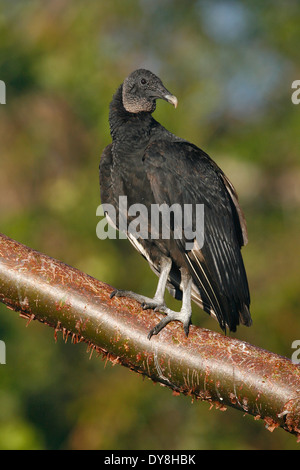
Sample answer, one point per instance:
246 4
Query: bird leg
158 302
184 316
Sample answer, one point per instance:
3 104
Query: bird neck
123 124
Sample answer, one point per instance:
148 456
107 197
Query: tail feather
228 312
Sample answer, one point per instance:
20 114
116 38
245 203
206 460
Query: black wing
105 177
180 172
111 185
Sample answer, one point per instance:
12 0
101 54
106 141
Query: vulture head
140 91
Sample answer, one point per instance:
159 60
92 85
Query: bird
151 166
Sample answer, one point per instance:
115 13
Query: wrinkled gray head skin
141 89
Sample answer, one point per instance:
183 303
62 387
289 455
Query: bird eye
143 81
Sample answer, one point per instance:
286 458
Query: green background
231 65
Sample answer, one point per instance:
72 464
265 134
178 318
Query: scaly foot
183 316
146 302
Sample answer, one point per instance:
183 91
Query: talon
119 293
160 326
113 294
150 334
155 330
186 328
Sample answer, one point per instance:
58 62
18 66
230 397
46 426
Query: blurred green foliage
231 65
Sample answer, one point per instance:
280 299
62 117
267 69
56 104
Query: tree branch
206 365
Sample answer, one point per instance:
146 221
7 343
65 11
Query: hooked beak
163 93
172 99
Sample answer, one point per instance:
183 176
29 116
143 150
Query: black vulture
152 167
